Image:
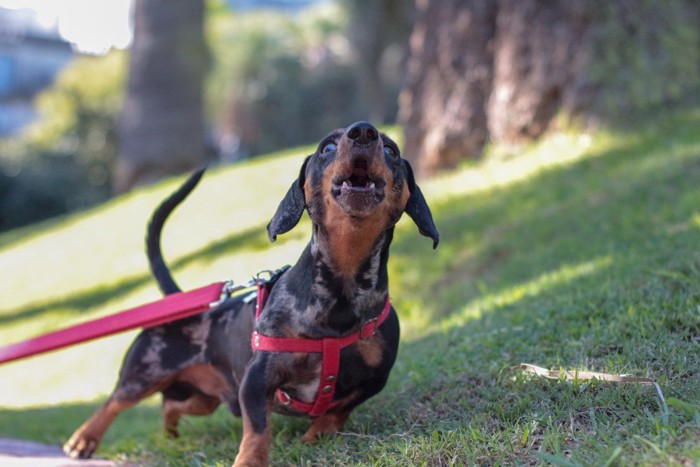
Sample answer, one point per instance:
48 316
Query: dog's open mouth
359 191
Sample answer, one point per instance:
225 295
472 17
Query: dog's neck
352 257
323 302
325 299
336 299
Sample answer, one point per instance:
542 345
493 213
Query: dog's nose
362 133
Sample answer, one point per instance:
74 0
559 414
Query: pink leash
172 307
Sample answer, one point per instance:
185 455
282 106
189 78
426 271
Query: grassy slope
580 253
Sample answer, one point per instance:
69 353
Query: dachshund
317 339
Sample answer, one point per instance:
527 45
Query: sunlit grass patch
490 301
578 252
501 167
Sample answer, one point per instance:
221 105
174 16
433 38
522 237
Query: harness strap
329 347
263 293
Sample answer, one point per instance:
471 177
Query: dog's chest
307 391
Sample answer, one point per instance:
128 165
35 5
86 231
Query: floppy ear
418 209
291 207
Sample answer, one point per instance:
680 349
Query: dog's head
357 175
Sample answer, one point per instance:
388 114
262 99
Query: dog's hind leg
86 438
196 390
136 382
197 404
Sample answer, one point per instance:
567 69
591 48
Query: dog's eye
328 148
390 151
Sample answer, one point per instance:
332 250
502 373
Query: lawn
580 252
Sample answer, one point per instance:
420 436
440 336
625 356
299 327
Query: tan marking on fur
352 239
254 450
198 404
207 379
308 190
405 194
371 350
329 423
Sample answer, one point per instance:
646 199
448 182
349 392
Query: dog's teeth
371 185
346 184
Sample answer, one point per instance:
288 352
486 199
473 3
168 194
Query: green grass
580 252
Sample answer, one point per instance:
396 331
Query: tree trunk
504 70
162 128
541 48
442 106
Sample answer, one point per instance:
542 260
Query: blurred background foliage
659 67
456 75
62 161
267 68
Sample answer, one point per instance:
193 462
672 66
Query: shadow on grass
53 425
138 431
254 238
593 265
622 203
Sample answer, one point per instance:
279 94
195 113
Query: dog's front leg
255 396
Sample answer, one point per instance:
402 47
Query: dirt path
20 453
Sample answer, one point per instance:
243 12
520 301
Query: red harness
181 305
329 347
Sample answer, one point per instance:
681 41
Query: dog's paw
254 460
80 446
328 424
310 437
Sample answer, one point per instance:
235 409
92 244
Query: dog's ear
418 209
291 207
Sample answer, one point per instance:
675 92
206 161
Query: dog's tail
160 270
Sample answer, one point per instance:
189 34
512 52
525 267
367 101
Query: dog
326 338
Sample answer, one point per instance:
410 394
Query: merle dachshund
325 338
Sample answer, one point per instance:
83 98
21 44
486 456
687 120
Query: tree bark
503 70
161 128
541 48
442 106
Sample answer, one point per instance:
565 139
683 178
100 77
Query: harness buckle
283 397
227 290
263 276
268 275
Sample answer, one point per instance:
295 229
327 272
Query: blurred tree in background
285 79
378 32
161 130
506 71
274 80
476 71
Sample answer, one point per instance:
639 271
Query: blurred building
31 55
